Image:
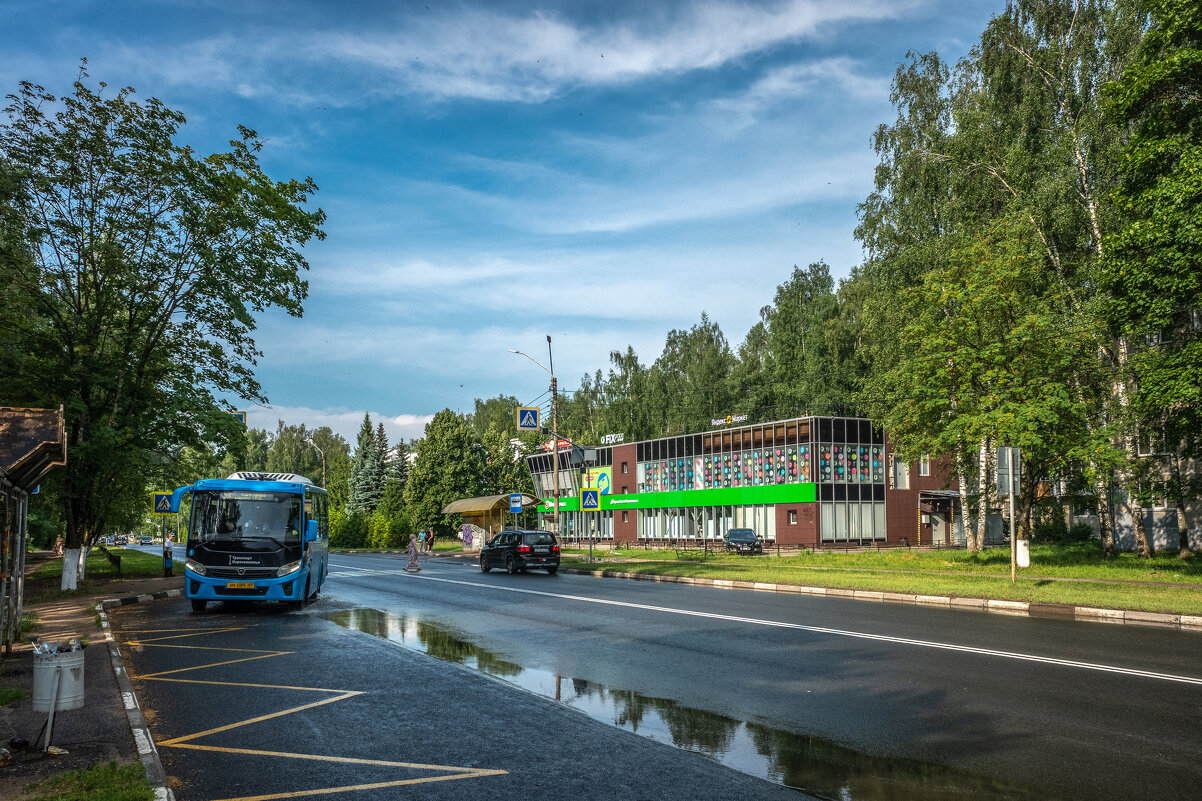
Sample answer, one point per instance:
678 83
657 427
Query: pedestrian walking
421 542
413 565
430 541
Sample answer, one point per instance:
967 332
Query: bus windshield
240 515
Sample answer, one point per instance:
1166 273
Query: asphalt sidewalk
105 728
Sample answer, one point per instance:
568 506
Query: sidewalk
101 730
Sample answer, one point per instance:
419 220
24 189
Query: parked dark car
518 550
121 540
743 540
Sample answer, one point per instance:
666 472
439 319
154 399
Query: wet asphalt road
847 699
251 702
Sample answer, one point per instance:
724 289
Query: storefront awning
487 503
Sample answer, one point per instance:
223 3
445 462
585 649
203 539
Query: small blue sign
590 500
515 502
161 503
528 417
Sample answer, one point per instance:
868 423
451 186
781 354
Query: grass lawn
105 782
44 580
1075 575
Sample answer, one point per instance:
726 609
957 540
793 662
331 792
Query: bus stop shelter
32 443
487 512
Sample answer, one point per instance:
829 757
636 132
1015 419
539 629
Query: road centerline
946 646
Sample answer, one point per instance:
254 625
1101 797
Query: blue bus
254 537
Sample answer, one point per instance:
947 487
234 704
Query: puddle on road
815 766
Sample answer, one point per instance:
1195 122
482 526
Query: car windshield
741 534
540 538
237 515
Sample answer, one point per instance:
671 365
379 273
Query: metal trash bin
62 671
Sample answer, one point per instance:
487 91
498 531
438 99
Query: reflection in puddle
816 766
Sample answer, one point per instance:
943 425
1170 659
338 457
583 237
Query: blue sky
494 172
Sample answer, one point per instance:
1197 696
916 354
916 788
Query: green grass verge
1177 587
133 564
105 782
9 695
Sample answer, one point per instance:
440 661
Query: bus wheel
199 606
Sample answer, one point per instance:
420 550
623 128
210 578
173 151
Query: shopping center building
810 481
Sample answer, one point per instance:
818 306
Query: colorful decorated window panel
865 471
749 468
803 463
699 473
726 470
878 464
839 458
825 464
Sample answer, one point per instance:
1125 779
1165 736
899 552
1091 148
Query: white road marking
1046 660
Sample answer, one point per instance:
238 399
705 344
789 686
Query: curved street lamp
554 426
323 461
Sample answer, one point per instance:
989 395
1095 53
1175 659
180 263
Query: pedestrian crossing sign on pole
528 418
239 416
590 500
160 503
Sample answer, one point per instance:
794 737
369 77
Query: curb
1018 608
137 723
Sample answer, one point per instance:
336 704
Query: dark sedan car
743 540
519 550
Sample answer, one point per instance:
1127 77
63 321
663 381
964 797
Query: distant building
811 481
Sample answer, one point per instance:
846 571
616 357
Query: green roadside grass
105 782
1072 575
43 581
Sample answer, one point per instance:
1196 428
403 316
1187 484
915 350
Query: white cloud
491 55
342 421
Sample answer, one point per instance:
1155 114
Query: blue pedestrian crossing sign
239 416
160 503
515 502
590 500
528 418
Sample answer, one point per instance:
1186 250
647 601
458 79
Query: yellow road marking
345 694
452 772
376 786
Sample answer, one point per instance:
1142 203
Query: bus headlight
291 567
195 567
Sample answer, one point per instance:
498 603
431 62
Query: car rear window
539 538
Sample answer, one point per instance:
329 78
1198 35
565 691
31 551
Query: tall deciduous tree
1153 268
149 265
691 383
450 466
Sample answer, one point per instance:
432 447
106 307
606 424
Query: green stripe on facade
726 496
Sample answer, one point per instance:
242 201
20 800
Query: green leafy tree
692 382
451 465
499 412
1152 270
149 266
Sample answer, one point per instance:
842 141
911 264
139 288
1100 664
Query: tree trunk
84 553
1182 530
986 462
1105 523
962 480
70 569
1143 546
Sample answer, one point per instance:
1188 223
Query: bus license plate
239 585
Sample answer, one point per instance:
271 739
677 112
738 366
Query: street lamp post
323 461
554 428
